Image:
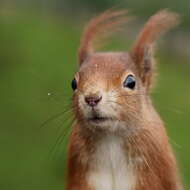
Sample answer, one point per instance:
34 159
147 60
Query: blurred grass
37 63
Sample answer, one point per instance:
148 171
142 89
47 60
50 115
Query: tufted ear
102 24
143 50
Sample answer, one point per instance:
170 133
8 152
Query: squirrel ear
146 66
145 62
142 52
102 24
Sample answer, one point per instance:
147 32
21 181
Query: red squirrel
118 140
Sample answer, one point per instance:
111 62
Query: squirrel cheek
110 103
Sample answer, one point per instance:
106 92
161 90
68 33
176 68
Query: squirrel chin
107 125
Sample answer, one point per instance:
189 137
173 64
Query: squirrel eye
74 84
129 82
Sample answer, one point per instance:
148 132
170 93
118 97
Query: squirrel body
118 141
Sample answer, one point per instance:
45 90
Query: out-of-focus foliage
81 7
37 62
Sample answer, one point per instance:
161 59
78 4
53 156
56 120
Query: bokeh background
38 45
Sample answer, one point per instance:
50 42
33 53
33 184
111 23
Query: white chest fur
110 169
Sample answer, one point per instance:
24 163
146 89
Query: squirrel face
108 90
112 89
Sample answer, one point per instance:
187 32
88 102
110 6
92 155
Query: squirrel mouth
97 119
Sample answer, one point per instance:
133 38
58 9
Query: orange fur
106 21
127 114
156 26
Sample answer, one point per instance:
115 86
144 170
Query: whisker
174 143
63 136
55 117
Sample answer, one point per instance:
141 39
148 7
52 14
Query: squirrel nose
93 100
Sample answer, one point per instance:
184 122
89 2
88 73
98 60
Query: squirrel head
111 88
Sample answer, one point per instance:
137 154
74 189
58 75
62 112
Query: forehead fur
113 63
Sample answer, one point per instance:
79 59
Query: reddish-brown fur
108 21
144 135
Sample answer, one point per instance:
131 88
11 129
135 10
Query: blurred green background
38 45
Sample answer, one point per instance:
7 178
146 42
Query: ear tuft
107 21
142 52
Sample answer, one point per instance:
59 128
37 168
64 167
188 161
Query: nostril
93 100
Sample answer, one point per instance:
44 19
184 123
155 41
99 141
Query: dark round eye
74 84
129 82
